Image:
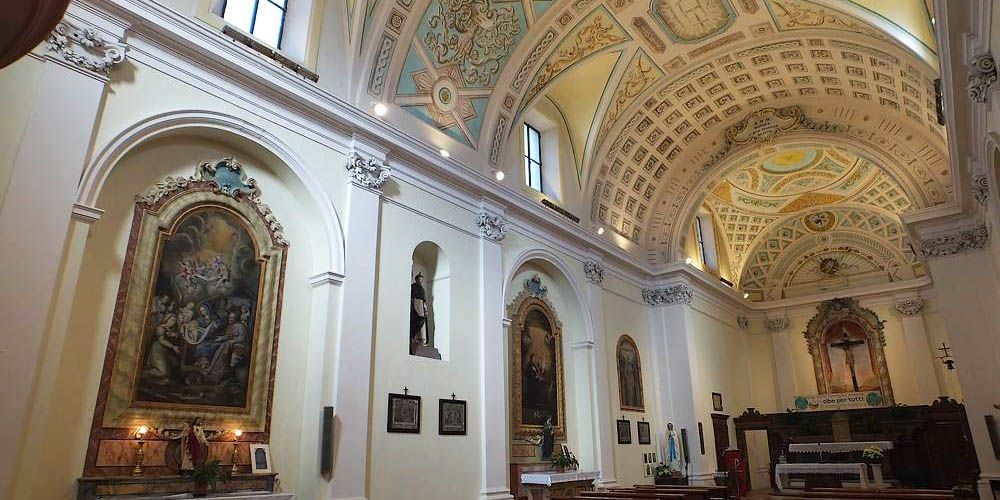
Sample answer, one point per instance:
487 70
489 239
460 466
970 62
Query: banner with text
841 401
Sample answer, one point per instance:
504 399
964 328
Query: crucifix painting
847 344
850 363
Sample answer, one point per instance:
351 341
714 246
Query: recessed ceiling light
600 230
380 109
444 153
499 175
688 261
746 295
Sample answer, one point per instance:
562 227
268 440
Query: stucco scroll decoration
668 295
982 77
776 324
981 189
491 226
86 48
473 34
910 306
227 177
594 271
962 240
367 172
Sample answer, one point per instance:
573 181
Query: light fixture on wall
380 109
444 153
499 175
600 230
236 446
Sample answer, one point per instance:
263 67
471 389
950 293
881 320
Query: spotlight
444 153
688 261
746 295
600 230
499 175
380 109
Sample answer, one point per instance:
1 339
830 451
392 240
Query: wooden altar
932 444
92 488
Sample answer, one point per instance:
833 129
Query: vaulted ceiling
763 110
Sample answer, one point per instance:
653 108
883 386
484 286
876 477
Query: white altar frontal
545 485
782 471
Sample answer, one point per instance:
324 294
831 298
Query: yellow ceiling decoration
810 200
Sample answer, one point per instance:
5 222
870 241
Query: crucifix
847 344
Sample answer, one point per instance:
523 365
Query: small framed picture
260 458
404 414
565 449
451 417
716 401
624 432
642 429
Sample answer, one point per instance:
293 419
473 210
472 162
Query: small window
700 236
532 157
264 19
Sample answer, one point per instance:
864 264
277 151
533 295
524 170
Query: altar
545 485
783 471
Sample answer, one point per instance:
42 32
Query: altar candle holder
236 444
140 434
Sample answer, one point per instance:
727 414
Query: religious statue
846 343
673 453
193 445
418 313
548 440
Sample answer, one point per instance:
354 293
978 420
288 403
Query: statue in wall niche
418 313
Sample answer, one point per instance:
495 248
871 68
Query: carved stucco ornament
594 271
491 226
367 172
776 324
910 306
668 295
981 189
982 77
960 241
85 47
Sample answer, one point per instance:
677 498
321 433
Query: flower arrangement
564 461
872 455
662 470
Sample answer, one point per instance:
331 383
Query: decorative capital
86 48
743 322
981 189
668 295
910 306
594 271
491 226
367 172
961 241
982 77
777 323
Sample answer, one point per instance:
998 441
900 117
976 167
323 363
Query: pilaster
918 349
36 211
597 348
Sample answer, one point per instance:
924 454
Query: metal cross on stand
847 344
406 391
945 356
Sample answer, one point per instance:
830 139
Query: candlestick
236 445
140 434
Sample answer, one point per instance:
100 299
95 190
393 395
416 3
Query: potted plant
207 475
564 461
872 455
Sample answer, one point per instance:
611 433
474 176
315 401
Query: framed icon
642 429
260 458
624 432
404 414
452 417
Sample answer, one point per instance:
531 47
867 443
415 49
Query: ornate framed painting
452 417
536 363
403 414
847 344
194 334
629 375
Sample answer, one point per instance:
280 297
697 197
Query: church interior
499 249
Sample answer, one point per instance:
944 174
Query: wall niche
430 302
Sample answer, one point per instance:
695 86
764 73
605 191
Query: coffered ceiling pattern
700 97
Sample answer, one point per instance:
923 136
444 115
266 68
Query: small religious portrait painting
642 430
403 414
849 359
260 459
200 326
716 401
629 375
624 431
538 370
451 417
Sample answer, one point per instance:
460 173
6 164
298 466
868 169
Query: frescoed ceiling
660 98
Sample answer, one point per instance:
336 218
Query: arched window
264 19
704 233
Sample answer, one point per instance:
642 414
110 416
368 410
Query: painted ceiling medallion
786 162
446 101
820 221
689 21
475 35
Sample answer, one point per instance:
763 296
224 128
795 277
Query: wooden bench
622 493
716 492
911 491
858 494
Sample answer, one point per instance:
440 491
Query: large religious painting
629 375
847 344
536 363
195 329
